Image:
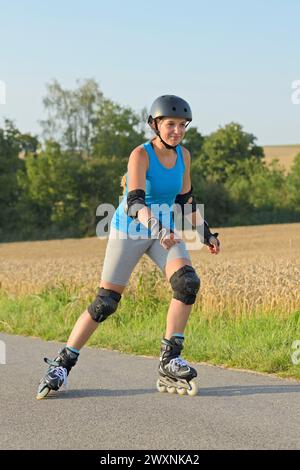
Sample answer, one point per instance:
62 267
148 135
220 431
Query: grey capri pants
122 255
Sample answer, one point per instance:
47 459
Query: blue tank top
162 186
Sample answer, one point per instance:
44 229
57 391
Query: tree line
51 186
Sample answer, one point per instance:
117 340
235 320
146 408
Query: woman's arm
191 212
137 168
186 185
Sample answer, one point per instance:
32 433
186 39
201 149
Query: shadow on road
248 390
229 391
99 392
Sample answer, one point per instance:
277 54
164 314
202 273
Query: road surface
112 403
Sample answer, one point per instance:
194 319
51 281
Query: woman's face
172 130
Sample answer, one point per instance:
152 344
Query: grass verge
260 342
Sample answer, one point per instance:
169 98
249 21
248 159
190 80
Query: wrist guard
208 234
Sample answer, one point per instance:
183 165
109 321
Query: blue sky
233 60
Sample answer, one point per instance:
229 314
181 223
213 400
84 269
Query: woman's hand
168 240
214 245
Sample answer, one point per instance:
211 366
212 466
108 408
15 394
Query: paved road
112 403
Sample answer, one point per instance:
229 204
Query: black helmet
170 106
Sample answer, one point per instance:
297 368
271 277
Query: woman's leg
170 262
178 312
174 372
121 256
60 368
85 325
172 368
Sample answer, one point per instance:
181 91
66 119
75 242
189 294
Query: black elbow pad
135 202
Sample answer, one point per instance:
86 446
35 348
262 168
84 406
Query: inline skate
175 375
57 373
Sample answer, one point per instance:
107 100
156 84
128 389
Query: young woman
158 175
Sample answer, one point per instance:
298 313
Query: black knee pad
185 284
104 305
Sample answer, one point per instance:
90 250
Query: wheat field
284 153
258 269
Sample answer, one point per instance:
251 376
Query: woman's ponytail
123 182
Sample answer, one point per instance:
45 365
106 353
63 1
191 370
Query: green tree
83 121
118 131
258 185
100 183
213 194
259 193
193 140
223 150
51 188
13 147
62 191
293 184
71 115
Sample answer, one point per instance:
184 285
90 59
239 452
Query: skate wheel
43 393
171 390
160 388
181 391
193 391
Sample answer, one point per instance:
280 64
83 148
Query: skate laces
176 362
61 373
